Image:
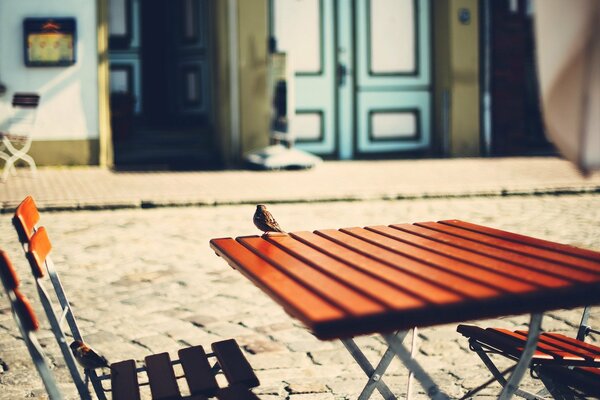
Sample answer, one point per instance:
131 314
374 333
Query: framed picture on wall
49 42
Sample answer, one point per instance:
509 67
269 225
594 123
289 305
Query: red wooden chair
200 368
567 366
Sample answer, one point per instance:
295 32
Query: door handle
342 71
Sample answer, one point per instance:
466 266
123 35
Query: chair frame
37 247
482 349
9 151
27 323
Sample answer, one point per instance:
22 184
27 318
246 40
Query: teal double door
361 73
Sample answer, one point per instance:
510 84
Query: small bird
87 357
265 221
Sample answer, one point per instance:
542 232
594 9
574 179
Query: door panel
362 73
393 121
304 29
392 43
189 60
393 76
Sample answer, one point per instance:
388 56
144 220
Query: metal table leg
535 327
431 388
375 375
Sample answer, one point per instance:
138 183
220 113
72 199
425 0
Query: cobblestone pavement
144 281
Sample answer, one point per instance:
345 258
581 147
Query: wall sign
49 42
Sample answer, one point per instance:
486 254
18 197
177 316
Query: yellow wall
105 157
252 31
456 71
253 52
221 92
65 152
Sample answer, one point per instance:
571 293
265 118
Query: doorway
159 83
362 74
516 118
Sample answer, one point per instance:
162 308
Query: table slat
344 297
294 297
353 278
470 258
515 237
439 233
430 293
472 281
531 252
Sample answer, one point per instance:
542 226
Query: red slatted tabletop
352 281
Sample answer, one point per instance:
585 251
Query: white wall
69 95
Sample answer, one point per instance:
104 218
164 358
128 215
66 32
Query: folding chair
565 365
199 373
27 322
16 131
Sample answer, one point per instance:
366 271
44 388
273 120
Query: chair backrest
27 322
37 247
22 121
25 219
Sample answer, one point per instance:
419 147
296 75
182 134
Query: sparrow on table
87 357
265 221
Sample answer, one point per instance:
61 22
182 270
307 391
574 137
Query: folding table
389 279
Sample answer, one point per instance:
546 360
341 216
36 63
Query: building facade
185 83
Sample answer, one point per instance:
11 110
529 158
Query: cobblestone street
144 281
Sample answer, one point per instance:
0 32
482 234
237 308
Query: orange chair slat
557 342
345 297
405 281
25 312
9 276
454 237
586 346
354 278
161 377
514 237
498 340
124 381
542 347
463 279
25 218
39 248
591 370
478 263
296 298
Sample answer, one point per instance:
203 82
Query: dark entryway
516 123
160 91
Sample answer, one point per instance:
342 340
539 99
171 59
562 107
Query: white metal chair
16 133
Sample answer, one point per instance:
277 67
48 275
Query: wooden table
379 279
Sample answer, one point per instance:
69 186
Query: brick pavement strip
146 280
96 188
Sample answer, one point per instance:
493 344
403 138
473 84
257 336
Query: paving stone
128 304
